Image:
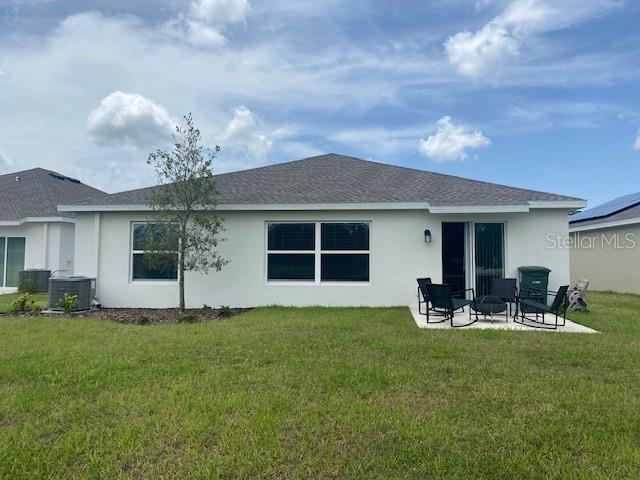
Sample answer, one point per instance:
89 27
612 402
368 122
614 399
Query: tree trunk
181 281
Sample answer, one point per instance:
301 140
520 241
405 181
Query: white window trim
133 252
317 252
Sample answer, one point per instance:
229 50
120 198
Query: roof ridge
34 169
361 160
234 172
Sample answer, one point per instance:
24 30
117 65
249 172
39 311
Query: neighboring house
33 234
331 230
606 245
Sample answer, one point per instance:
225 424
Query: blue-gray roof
340 179
607 210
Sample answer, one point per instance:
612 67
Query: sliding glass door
11 260
489 255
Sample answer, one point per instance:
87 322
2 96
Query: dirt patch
143 316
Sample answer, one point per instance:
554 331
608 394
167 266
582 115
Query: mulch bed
143 316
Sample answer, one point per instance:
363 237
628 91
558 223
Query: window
318 252
291 251
165 266
11 260
345 252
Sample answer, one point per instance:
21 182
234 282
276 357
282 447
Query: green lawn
320 393
7 299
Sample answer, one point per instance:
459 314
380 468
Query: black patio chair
423 296
535 302
506 290
444 305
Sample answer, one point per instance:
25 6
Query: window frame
132 252
317 252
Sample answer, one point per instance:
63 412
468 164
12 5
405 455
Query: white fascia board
481 209
17 223
257 207
566 204
599 226
344 206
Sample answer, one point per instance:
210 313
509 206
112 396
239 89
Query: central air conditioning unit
84 288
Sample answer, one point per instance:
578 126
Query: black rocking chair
423 296
506 290
534 302
444 305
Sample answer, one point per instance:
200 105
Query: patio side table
490 305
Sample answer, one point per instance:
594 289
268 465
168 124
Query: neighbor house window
318 252
166 266
11 260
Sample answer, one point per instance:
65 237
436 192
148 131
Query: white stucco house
33 234
330 230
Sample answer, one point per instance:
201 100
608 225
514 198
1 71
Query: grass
7 299
320 393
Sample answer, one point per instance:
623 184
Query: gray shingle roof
341 179
38 192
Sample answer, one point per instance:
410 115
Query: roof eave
22 221
563 204
603 225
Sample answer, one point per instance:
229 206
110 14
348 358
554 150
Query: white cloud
450 141
247 136
380 140
636 145
475 53
203 23
129 119
200 34
217 12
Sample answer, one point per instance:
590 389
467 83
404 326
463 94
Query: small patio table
488 305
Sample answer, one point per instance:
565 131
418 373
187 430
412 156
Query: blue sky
534 93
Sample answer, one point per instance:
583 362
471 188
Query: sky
541 94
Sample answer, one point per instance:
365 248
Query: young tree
183 222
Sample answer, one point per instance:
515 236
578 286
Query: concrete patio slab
499 323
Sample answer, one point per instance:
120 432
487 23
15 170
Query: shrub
28 286
225 311
23 303
68 302
188 318
142 320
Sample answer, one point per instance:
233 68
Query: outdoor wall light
427 236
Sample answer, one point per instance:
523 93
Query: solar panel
607 209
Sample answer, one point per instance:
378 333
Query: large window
165 263
318 252
11 260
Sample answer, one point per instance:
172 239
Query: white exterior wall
48 245
398 256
